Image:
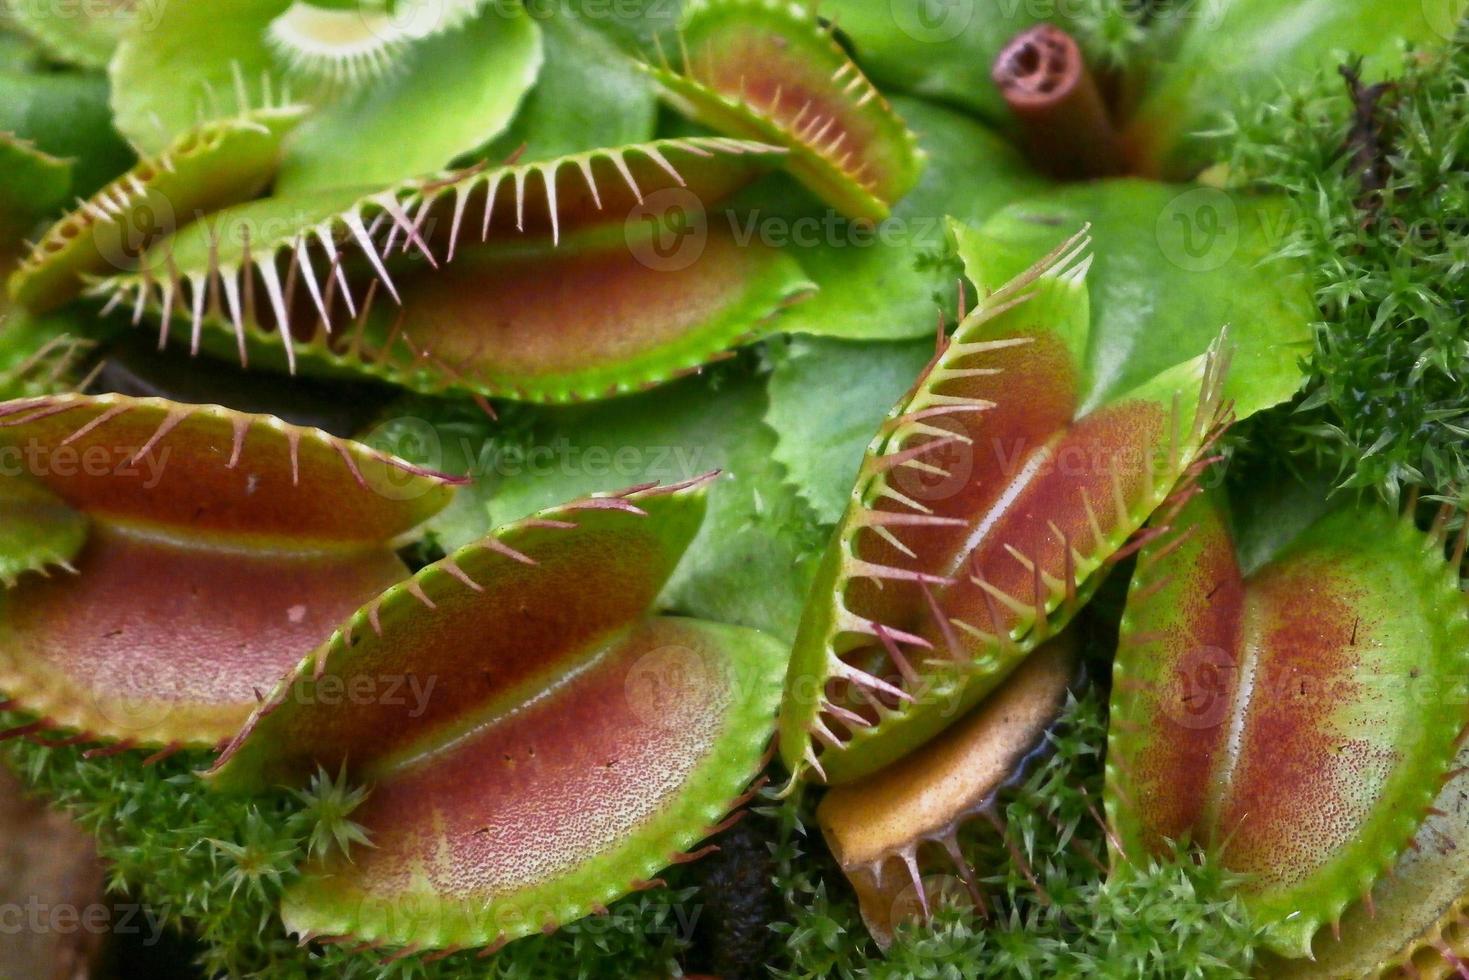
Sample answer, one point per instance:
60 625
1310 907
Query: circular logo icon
1198 230
932 21
663 684
144 222
668 230
940 472
411 439
938 891
139 702
1199 696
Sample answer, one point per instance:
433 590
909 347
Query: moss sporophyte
737 488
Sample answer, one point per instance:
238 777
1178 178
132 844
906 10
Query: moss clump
1379 180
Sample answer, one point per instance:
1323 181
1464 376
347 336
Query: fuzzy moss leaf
1234 49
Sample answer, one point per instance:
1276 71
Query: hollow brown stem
1055 98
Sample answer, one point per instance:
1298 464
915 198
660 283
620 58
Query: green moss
1385 405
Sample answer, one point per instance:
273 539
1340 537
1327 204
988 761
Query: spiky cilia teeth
301 284
770 70
219 163
949 567
881 827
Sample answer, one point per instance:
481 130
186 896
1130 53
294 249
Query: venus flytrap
541 281
558 689
205 550
989 505
1294 708
768 70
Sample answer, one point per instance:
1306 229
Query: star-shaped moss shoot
1292 704
579 277
565 745
208 550
399 89
207 168
987 506
891 829
769 70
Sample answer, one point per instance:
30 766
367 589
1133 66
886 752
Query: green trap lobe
159 643
767 70
1297 720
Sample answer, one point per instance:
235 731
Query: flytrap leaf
370 70
217 164
986 507
769 70
884 830
1297 715
566 746
220 547
609 274
1417 921
35 183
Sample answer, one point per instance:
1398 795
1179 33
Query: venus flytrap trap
205 550
558 688
1296 708
571 246
482 767
987 508
887 829
217 164
768 70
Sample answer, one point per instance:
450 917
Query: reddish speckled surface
548 786
155 641
512 316
1310 642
